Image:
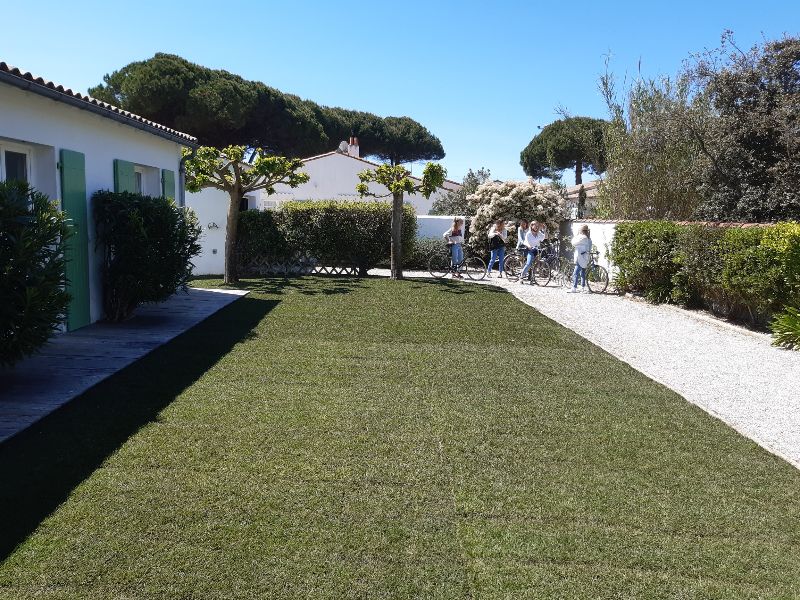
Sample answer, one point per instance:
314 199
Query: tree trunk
578 172
231 229
397 233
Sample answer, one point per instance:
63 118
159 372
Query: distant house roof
589 186
369 162
38 85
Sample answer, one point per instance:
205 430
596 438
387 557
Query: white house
69 145
332 176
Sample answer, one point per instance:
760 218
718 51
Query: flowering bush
511 200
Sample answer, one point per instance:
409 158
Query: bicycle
440 264
540 272
596 276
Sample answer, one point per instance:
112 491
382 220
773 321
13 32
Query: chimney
352 149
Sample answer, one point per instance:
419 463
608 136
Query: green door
73 202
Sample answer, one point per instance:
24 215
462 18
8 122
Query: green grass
335 438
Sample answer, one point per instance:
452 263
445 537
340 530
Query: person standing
583 248
522 229
455 241
498 234
533 237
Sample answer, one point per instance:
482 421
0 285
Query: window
16 166
15 162
138 179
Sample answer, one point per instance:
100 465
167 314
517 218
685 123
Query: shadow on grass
41 466
456 287
309 285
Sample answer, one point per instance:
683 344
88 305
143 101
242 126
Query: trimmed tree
226 170
570 143
398 181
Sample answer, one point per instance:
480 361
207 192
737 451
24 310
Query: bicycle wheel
541 272
512 265
565 271
596 279
474 267
439 265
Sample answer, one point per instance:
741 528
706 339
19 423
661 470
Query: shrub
698 256
32 298
148 246
786 329
421 253
644 253
326 230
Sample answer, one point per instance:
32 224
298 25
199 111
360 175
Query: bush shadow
40 466
308 285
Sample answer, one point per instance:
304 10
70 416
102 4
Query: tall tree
454 202
569 143
226 170
403 140
398 181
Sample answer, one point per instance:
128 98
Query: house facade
68 146
332 176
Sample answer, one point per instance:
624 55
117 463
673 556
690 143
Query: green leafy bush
32 298
644 253
698 256
786 329
423 248
325 229
148 245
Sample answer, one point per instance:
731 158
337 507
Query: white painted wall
48 126
601 233
211 207
433 226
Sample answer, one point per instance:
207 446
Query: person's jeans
579 272
498 255
532 252
456 256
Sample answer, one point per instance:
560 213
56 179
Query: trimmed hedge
327 229
32 298
750 273
148 244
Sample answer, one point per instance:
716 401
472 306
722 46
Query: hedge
33 302
148 245
357 232
751 272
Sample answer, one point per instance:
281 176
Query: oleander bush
325 229
148 245
644 253
33 302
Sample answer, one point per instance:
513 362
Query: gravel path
730 372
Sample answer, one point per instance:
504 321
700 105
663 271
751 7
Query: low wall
433 226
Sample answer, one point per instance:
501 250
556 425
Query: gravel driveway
728 371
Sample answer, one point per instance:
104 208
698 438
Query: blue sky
480 75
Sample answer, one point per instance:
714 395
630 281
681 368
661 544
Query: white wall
601 233
48 126
433 226
211 207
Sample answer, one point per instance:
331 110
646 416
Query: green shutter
124 179
73 202
168 183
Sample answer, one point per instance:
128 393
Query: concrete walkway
71 363
728 371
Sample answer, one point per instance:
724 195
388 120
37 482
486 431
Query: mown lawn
334 438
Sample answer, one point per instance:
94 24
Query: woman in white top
498 234
583 248
455 239
522 229
534 237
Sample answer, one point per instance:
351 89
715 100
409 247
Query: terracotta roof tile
102 107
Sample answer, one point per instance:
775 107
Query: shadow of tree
309 285
41 466
457 287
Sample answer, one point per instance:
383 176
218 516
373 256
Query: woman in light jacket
498 234
533 237
582 244
455 239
